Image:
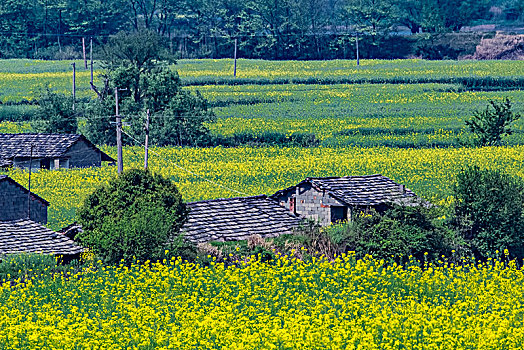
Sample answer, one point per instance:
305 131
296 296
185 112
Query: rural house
234 219
49 151
13 202
26 236
335 199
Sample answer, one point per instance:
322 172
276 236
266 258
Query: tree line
274 29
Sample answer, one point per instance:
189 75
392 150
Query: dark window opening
45 163
339 214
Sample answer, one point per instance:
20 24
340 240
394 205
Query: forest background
266 29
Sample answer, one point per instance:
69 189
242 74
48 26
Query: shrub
396 233
135 216
491 124
488 211
55 113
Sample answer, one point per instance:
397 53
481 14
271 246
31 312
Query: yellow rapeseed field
429 172
289 304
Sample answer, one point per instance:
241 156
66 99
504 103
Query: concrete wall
315 205
13 204
82 156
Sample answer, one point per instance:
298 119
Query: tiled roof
363 190
7 178
44 145
26 236
233 219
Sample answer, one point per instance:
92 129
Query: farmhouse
234 219
14 202
49 151
26 236
335 199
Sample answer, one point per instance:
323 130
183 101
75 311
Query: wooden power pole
146 145
74 84
29 184
118 134
84 52
235 55
358 58
91 58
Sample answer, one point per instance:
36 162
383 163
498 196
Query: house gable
13 202
333 199
49 151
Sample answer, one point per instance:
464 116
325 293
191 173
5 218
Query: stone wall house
13 202
49 151
335 199
26 236
234 219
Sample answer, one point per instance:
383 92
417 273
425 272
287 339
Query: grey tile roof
366 190
23 189
44 145
233 219
26 236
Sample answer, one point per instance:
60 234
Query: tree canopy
205 28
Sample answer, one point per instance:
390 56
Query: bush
491 124
396 234
488 211
136 216
55 114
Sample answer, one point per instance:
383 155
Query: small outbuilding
335 199
49 151
14 204
234 219
26 236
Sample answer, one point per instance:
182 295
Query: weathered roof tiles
232 219
44 145
26 236
366 190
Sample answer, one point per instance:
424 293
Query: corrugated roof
233 219
26 236
44 145
365 190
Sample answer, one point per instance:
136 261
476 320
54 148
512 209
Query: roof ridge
39 133
230 198
344 177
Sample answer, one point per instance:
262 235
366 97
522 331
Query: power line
189 171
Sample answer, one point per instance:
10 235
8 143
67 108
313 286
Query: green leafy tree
55 114
491 124
488 211
141 73
373 18
137 215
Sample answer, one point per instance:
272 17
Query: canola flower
218 69
289 304
428 172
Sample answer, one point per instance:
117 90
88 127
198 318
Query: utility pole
84 52
235 69
118 134
358 58
146 128
74 84
91 57
59 22
29 185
